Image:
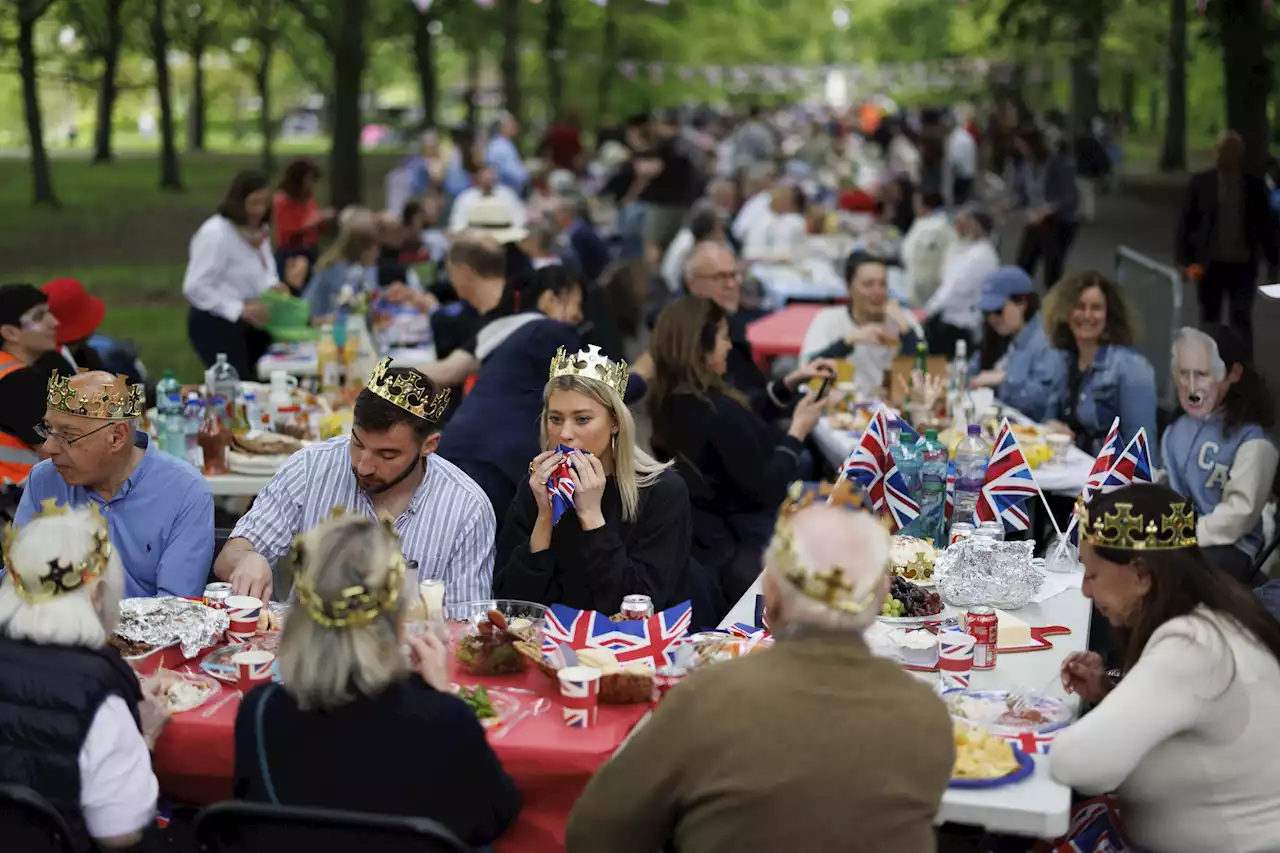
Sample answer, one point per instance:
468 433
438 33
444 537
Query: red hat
78 313
855 200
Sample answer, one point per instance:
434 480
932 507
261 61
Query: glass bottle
214 438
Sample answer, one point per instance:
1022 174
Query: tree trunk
266 126
41 178
1173 153
1247 78
555 57
346 177
196 117
511 56
608 54
108 86
1128 96
1153 109
475 59
424 57
170 177
1084 72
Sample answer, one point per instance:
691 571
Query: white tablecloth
301 360
1037 807
236 485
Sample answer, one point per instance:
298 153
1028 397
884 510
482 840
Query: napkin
651 641
561 486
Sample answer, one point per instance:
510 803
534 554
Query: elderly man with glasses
159 508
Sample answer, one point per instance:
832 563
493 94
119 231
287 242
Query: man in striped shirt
387 465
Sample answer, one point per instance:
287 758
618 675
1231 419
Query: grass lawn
125 239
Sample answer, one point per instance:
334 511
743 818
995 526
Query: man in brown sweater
811 746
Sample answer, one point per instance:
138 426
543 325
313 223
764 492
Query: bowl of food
485 633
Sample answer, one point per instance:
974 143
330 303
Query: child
1217 453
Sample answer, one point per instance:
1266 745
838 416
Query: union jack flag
1098 475
651 641
561 487
1030 742
1009 482
872 467
951 489
1133 466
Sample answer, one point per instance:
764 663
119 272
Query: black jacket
1199 218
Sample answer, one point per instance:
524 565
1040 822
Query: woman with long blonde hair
351 260
618 521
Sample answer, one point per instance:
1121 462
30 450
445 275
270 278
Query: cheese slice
1013 632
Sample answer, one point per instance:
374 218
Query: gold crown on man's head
114 402
409 390
355 605
1125 530
62 576
592 364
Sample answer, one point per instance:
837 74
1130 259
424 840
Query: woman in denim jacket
1015 357
1102 376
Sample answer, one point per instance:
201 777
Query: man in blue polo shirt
159 509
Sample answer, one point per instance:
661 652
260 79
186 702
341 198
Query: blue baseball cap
1002 284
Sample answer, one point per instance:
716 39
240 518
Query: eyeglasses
46 432
721 277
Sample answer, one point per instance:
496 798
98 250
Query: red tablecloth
550 763
780 333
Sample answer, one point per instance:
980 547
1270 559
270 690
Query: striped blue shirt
448 528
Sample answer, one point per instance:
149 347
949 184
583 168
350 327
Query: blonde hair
83 617
328 667
633 469
357 234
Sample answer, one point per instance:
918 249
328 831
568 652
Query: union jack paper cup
244 611
253 668
955 659
580 695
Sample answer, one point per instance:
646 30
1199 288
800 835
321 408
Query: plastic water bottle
906 457
933 486
252 413
170 429
972 455
223 382
192 417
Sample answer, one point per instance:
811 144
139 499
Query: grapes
907 599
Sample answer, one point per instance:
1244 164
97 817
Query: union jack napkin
651 641
561 486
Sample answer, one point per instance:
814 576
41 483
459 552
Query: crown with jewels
410 391
355 605
1125 530
592 364
115 402
62 576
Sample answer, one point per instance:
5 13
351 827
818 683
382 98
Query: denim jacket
1119 382
322 291
1031 372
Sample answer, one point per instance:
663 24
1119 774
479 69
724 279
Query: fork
1020 701
538 707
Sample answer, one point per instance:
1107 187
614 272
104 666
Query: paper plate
218 664
504 704
941 616
1026 766
214 689
985 711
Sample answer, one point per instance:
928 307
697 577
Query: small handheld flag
561 486
1008 483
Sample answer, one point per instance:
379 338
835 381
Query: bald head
712 272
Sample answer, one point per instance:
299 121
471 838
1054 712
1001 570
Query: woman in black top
352 725
628 529
737 468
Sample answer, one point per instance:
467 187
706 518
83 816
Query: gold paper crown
356 605
1125 530
63 576
108 404
410 391
592 364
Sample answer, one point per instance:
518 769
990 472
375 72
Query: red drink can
216 595
981 622
960 531
664 679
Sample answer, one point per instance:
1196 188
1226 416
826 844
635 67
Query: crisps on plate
981 755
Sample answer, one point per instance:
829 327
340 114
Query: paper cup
580 695
955 659
244 611
253 668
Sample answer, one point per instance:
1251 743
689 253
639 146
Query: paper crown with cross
592 364
354 605
61 576
115 401
409 390
1125 530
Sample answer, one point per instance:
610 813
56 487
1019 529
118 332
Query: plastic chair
29 822
239 827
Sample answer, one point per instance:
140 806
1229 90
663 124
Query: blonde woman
76 727
628 529
353 724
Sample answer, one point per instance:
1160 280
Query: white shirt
755 207
1188 739
870 361
468 197
962 152
929 241
956 300
224 270
904 159
778 237
118 789
674 258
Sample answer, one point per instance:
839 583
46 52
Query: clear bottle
170 428
972 454
933 486
906 457
329 361
192 418
223 382
959 401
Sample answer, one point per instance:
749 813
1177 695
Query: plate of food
986 761
486 633
186 691
913 559
217 664
1008 711
492 706
910 604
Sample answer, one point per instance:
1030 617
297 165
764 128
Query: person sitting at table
387 464
160 509
628 531
296 216
350 262
1218 453
926 246
353 724
1102 376
28 332
951 315
736 466
1187 738
75 726
485 185
681 784
583 242
79 315
1015 357
780 235
704 223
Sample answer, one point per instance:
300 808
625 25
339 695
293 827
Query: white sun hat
493 215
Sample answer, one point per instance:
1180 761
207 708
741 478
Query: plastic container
288 317
933 485
906 457
223 382
170 428
329 361
972 455
192 418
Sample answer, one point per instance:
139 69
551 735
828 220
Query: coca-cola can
216 595
637 607
664 678
981 622
960 531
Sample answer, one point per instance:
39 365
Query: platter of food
186 691
986 761
1008 711
913 559
495 637
910 604
492 706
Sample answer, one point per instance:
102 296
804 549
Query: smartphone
825 387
